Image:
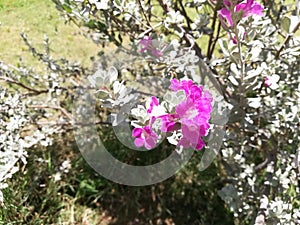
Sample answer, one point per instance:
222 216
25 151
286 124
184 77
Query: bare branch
63 111
287 40
12 81
211 37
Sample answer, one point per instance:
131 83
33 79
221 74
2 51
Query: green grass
37 18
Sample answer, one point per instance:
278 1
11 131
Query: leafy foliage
255 62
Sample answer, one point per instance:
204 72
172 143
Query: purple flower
185 85
187 109
168 122
154 102
249 8
144 137
224 13
194 118
156 111
227 2
147 44
194 113
195 98
190 136
267 82
272 81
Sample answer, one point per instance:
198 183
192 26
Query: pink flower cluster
247 7
147 44
192 114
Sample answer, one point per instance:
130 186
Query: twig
149 30
186 36
290 35
214 42
262 165
11 66
209 48
63 111
74 124
242 65
164 6
184 13
12 81
144 14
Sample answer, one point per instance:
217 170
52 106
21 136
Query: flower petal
139 142
137 132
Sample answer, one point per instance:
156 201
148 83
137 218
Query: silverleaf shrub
255 62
